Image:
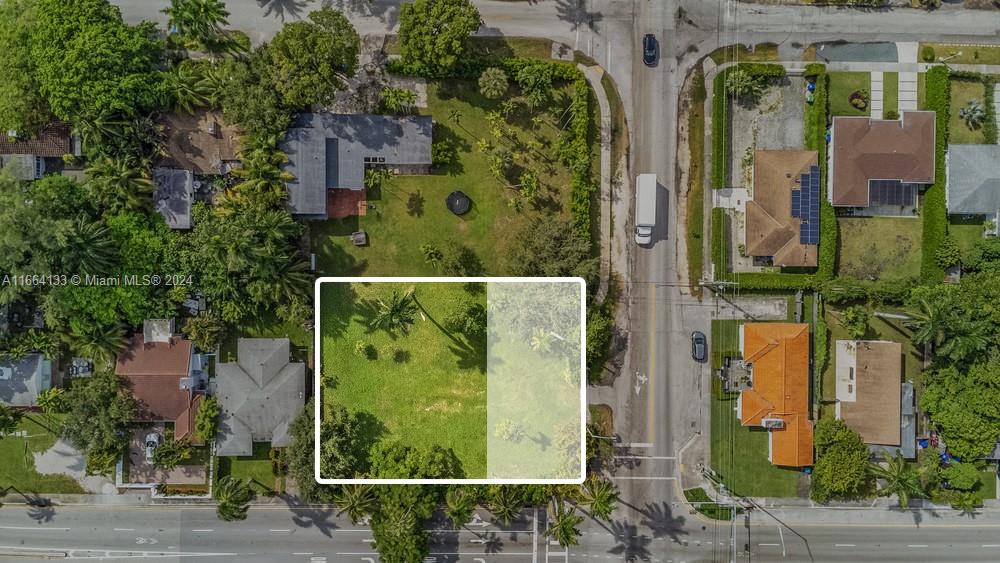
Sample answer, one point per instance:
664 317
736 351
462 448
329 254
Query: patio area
142 471
342 203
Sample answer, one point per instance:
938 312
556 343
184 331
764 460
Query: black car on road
699 346
650 50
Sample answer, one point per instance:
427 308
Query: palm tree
357 501
199 20
90 248
599 496
930 324
458 506
506 504
563 523
397 312
234 498
102 343
493 83
120 184
52 400
262 171
187 87
214 84
541 340
9 419
966 339
973 114
901 479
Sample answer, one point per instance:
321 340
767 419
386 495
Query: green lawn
17 464
410 210
962 92
964 54
739 453
879 247
268 325
988 488
890 92
965 231
842 85
424 388
256 467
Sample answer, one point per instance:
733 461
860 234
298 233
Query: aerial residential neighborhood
221 338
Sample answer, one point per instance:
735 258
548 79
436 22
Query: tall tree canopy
99 413
842 468
22 106
89 63
965 405
310 60
435 34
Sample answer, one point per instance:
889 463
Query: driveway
142 471
64 459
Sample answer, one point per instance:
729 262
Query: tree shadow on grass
330 240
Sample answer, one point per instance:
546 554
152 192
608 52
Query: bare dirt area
774 122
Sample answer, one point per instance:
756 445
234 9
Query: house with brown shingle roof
28 158
202 143
881 161
165 376
774 229
777 358
870 393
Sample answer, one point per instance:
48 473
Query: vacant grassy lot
410 210
963 54
423 388
963 92
965 231
890 92
842 85
739 454
35 433
879 247
762 52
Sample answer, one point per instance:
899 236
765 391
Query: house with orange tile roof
777 357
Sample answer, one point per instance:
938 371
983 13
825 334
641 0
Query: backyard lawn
739 453
409 211
268 325
879 247
966 232
424 388
962 92
34 434
842 85
890 92
256 467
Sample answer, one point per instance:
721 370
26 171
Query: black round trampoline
458 203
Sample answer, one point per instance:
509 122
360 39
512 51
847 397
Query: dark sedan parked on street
699 346
650 50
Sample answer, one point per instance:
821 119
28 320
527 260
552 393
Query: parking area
143 471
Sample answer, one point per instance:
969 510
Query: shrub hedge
720 235
815 139
720 107
935 212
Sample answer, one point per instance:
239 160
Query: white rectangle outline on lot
317 406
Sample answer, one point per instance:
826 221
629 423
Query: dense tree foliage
249 98
552 248
22 106
392 460
841 469
100 409
434 34
310 60
89 63
207 420
965 405
341 453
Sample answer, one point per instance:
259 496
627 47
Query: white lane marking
278 531
782 536
203 531
991 545
640 445
124 529
302 553
917 545
39 528
368 540
844 545
769 544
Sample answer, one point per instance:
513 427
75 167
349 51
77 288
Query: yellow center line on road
651 398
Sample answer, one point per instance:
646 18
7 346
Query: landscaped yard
842 85
739 453
35 434
424 388
965 54
879 247
410 211
268 325
966 232
256 467
962 92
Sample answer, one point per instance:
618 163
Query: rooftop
771 230
779 397
201 143
259 395
869 377
54 140
154 371
328 150
866 149
173 196
973 179
22 380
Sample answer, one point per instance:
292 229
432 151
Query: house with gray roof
259 396
29 157
973 179
331 151
21 381
173 196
